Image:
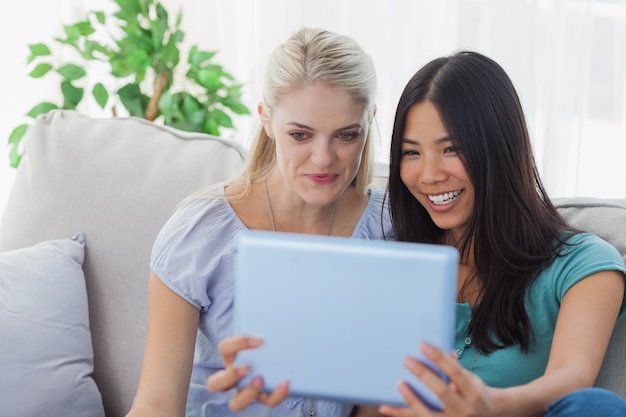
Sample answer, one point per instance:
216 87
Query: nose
432 171
323 152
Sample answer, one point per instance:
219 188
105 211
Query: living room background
567 59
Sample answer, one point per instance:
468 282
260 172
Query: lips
322 179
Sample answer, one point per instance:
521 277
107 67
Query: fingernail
404 390
410 362
255 341
283 386
242 371
257 382
427 348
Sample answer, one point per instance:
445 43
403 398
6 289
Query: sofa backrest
116 180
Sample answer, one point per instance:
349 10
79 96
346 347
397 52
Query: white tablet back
339 315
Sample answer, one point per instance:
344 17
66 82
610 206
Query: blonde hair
312 56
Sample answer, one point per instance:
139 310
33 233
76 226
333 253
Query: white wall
564 56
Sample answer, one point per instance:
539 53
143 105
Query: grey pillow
46 355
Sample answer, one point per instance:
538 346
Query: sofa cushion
117 180
45 348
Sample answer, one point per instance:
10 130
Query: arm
583 330
584 326
168 356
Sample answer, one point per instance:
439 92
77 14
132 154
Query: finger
245 396
428 376
458 376
226 378
276 396
415 405
230 346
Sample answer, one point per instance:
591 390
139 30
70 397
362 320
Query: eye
410 152
299 136
451 149
347 136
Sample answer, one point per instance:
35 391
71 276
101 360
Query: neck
273 221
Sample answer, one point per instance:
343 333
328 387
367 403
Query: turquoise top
510 366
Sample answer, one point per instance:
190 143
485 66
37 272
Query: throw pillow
46 355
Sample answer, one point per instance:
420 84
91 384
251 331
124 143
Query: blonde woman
308 172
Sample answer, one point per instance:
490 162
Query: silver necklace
331 216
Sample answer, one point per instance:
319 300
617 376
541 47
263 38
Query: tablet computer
339 315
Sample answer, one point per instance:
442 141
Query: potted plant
141 50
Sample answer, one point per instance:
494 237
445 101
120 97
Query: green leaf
222 119
72 72
14 156
95 50
236 107
40 70
170 56
129 6
211 127
17 134
72 95
168 107
197 57
100 17
197 119
179 18
39 49
101 94
75 31
15 139
190 103
209 78
41 108
163 25
132 99
125 66
157 34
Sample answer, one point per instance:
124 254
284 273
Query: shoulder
199 216
581 256
375 222
197 226
590 249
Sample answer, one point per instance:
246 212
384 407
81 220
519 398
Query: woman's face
431 168
320 134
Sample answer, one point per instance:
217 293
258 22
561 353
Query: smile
445 198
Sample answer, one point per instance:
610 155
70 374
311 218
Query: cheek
407 174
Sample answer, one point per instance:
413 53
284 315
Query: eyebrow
438 141
302 126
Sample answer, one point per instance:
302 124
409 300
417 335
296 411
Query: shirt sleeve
193 248
587 255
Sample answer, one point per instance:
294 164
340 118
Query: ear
373 113
265 120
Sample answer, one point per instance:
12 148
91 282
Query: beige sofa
116 181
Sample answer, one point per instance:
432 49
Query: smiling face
320 134
432 170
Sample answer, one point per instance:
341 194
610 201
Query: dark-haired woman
537 300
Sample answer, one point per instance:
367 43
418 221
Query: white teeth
444 198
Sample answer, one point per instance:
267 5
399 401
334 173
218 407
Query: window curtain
567 59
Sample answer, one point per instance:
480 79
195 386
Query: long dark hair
514 231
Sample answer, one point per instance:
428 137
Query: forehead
317 104
424 123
